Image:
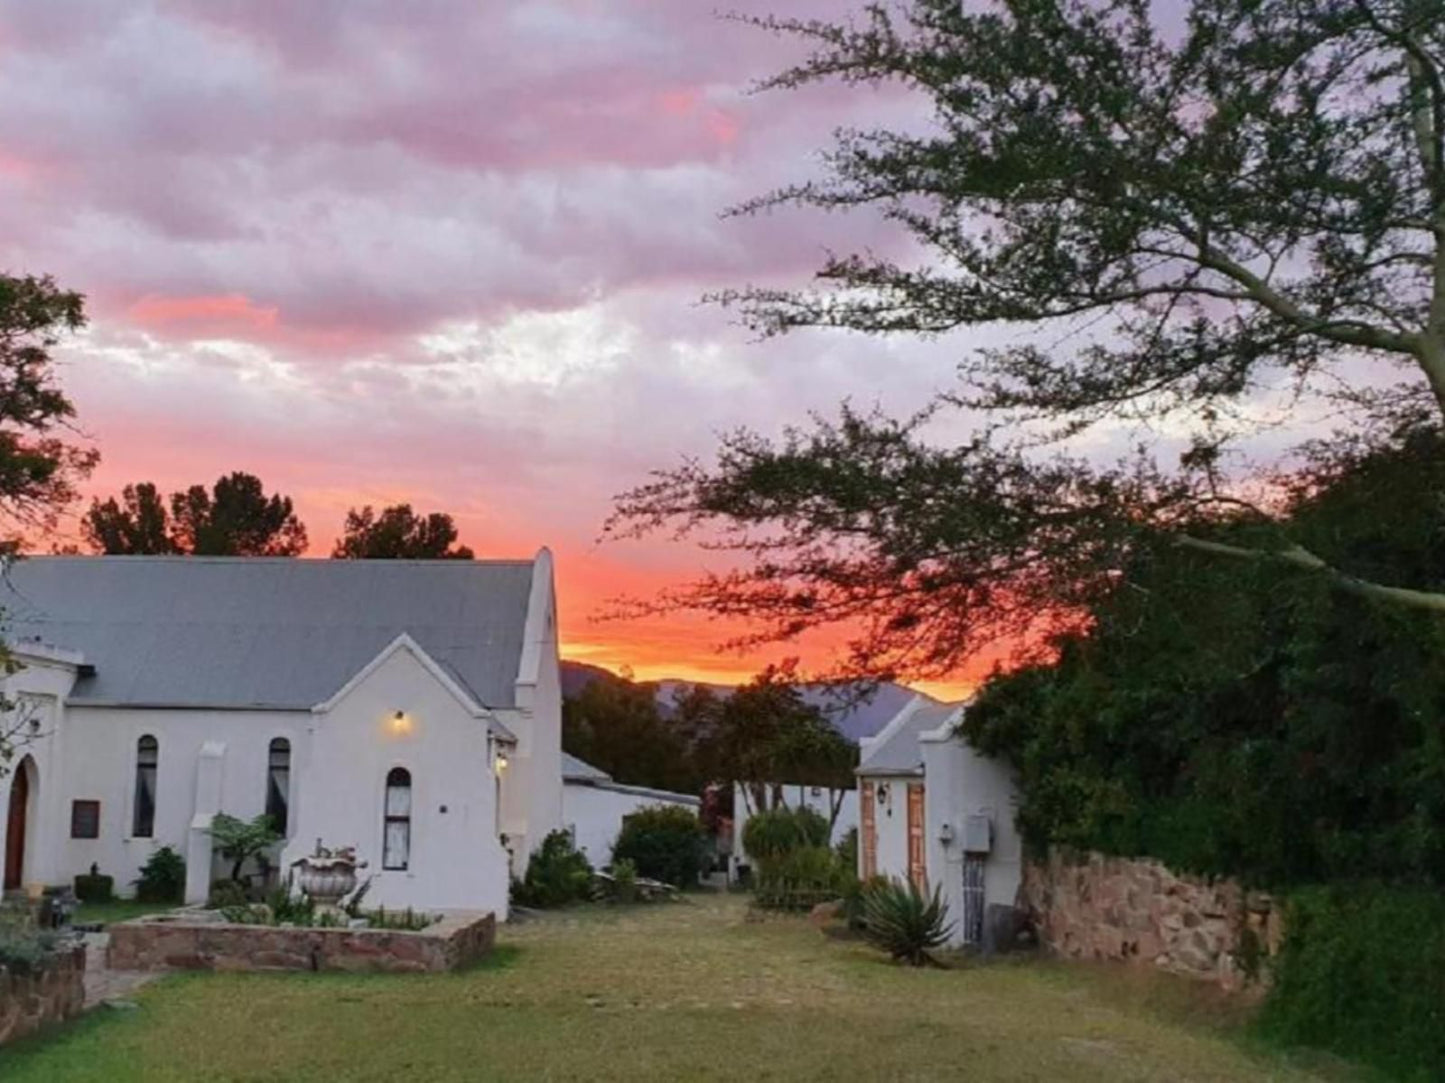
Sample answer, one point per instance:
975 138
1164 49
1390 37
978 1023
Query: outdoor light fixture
501 760
400 723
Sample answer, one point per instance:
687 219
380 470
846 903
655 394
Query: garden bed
204 940
50 991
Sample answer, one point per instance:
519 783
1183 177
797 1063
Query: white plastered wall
594 814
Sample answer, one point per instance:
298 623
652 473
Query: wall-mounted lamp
501 761
400 723
945 833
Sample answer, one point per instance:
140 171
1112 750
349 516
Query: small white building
934 811
594 806
409 708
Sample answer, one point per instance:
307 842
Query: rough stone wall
52 994
157 944
1092 906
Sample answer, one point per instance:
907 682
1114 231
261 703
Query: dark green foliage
615 725
663 842
94 888
557 874
239 841
234 517
23 948
802 878
901 920
624 881
847 849
226 895
398 533
779 831
1362 972
162 877
39 471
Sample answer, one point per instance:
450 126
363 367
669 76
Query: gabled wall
457 861
532 806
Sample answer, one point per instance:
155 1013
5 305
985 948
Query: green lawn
685 991
119 910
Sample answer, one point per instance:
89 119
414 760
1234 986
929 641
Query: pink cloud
229 311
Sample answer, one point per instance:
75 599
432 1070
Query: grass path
692 991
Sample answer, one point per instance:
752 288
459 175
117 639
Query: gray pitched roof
900 753
582 771
253 633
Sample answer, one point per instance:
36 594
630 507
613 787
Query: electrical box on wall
977 834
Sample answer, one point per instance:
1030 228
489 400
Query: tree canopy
234 517
397 532
1230 721
1189 228
41 462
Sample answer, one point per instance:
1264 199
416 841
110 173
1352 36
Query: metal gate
973 898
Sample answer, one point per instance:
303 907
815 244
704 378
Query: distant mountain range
854 721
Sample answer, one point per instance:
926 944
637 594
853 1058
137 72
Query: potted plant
328 875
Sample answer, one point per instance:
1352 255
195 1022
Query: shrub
779 831
226 894
847 850
801 879
1362 973
624 881
238 841
92 887
901 920
664 842
557 874
162 877
24 949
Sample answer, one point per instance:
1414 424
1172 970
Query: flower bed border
52 993
164 942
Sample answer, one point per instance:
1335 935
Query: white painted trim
404 642
44 652
539 612
947 731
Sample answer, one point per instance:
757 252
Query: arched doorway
17 823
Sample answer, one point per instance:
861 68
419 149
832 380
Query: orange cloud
230 308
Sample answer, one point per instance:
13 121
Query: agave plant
901 920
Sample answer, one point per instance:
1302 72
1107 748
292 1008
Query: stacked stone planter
169 942
1092 906
51 994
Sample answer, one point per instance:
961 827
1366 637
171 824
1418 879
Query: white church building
411 709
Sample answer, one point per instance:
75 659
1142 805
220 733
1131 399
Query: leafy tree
136 524
1186 223
1232 721
236 518
397 532
238 841
39 469
615 724
663 842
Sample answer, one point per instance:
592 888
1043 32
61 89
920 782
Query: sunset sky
443 253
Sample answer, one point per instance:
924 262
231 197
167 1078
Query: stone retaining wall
179 942
1091 906
52 994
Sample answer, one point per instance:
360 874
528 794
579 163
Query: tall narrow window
143 817
396 826
278 784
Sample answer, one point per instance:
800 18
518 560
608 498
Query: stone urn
327 876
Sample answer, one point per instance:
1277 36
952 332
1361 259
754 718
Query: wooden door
866 812
15 829
917 867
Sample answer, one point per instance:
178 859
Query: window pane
278 784
396 849
145 802
398 800
85 819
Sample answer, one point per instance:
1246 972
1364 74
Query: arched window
278 784
143 814
396 824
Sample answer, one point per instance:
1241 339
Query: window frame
88 804
397 778
282 825
144 801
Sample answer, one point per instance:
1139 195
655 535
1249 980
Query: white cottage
412 708
934 811
594 806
